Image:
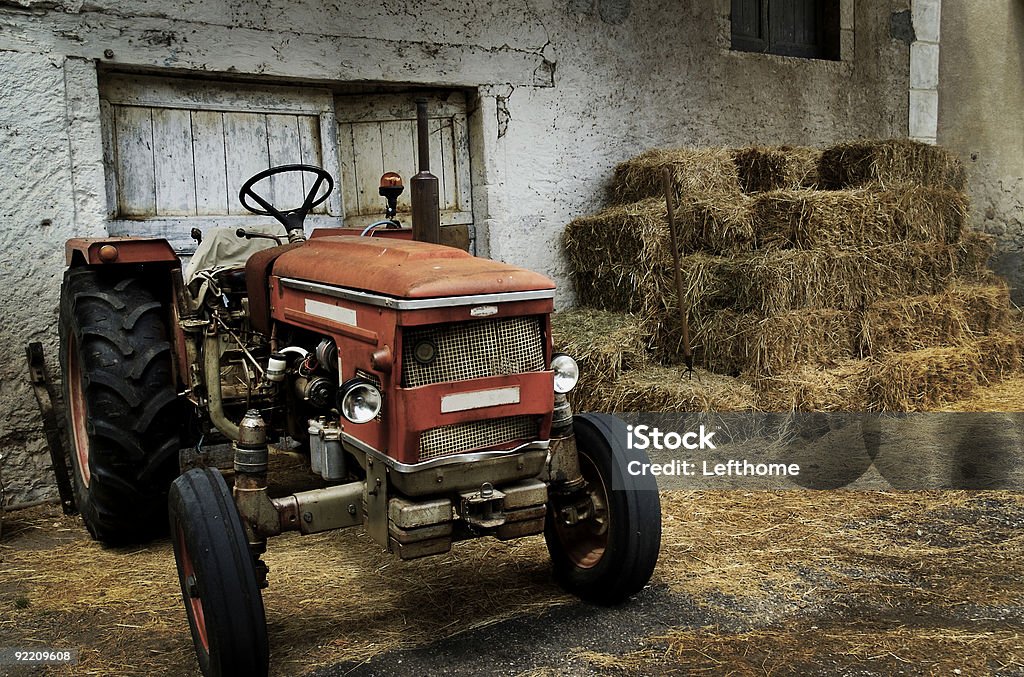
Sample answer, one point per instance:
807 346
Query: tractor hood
402 269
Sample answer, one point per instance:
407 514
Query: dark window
806 28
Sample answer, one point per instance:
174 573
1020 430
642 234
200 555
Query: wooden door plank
369 165
285 149
398 149
329 161
173 163
346 154
110 168
463 182
137 184
446 149
210 163
245 143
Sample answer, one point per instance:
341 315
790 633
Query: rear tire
610 555
122 413
217 576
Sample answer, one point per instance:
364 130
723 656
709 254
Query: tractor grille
468 350
460 437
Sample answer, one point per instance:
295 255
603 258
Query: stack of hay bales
843 279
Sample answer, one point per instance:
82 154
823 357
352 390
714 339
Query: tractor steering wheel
292 219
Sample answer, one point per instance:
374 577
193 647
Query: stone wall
981 68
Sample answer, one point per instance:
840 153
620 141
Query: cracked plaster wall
981 68
564 91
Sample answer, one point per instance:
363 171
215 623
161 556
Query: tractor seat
220 258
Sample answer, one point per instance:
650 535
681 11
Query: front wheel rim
194 603
586 541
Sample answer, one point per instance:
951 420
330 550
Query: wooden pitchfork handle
666 181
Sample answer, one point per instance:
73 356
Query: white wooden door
177 152
377 134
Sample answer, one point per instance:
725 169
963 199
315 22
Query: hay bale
666 389
772 281
603 343
960 314
813 388
761 168
857 217
759 346
921 380
638 233
890 162
973 254
695 173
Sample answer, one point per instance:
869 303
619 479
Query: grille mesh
460 437
479 349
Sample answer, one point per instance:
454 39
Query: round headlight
424 352
567 373
360 401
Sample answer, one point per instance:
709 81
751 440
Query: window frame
828 28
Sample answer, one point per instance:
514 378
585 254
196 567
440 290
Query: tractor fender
105 251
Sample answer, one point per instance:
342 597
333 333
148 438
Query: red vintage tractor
420 381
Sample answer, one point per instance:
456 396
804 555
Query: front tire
217 576
610 554
122 412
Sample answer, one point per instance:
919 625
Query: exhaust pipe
424 187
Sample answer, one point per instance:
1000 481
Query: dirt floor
747 584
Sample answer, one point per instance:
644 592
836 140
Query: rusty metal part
326 453
684 311
424 187
402 270
215 400
383 359
583 525
408 514
108 253
257 276
562 469
82 250
484 508
406 551
42 386
252 431
561 418
525 494
259 513
427 533
185 347
375 498
523 522
310 512
457 477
